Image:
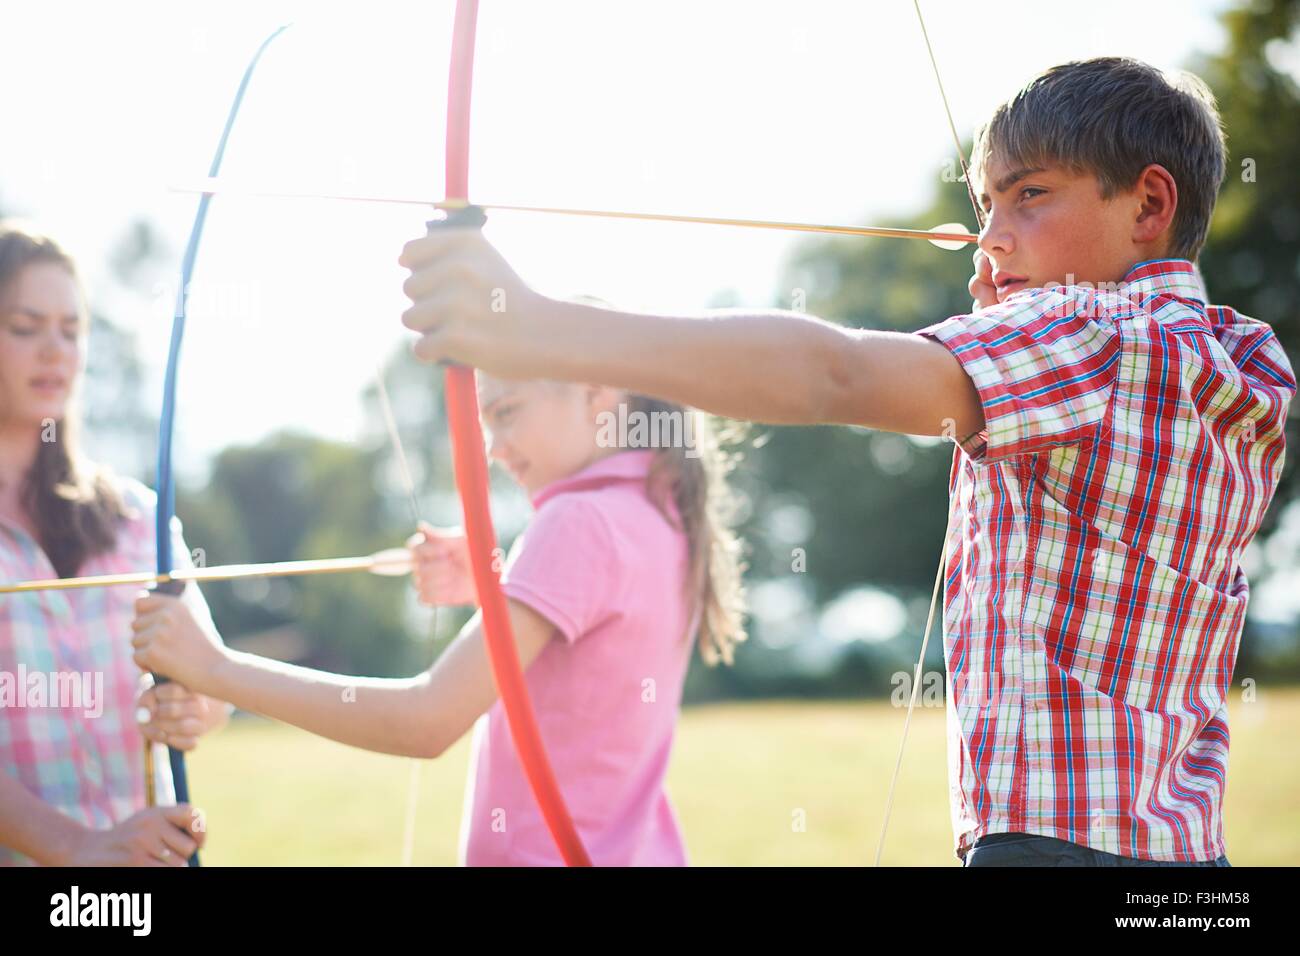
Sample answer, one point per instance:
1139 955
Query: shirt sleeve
1045 365
566 567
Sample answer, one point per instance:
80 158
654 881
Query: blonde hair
694 475
72 503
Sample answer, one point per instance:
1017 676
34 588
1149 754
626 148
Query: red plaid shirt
1094 598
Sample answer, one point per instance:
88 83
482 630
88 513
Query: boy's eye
1025 193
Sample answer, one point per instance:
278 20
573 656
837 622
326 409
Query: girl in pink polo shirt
624 556
626 566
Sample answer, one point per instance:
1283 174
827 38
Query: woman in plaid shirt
72 787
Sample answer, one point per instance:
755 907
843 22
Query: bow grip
180 779
466 217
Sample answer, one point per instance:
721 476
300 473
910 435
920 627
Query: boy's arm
775 367
902 382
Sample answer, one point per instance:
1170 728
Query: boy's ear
1157 195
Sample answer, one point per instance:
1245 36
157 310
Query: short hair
1113 116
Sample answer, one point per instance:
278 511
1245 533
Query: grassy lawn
754 784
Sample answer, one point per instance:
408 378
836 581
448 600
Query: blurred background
809 111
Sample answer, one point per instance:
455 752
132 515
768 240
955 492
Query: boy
1118 444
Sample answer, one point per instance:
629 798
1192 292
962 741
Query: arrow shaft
229 572
211 187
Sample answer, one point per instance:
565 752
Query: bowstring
408 482
952 126
938 578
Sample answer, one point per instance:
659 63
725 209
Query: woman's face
541 432
42 341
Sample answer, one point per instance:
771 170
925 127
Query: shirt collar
1166 278
628 465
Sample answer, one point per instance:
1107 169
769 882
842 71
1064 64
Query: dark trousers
1026 849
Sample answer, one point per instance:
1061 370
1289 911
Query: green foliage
1252 259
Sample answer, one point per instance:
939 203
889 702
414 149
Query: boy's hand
469 305
169 641
159 836
440 566
981 284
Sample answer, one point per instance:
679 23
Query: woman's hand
174 715
440 566
169 641
159 836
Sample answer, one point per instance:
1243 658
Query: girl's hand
981 285
440 566
176 716
159 836
169 641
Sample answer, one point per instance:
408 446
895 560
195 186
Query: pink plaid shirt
79 749
1094 597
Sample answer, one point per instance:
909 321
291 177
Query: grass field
754 784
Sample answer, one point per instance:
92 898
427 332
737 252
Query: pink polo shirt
601 563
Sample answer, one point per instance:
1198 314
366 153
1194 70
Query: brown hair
1112 117
71 502
694 473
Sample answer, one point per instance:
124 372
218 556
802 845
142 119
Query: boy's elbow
899 382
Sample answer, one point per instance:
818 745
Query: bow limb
939 575
165 482
472 478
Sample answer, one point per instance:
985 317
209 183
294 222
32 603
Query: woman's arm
34 828
416 717
157 836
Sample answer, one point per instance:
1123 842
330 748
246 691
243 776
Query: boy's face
1051 225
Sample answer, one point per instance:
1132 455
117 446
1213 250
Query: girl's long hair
71 502
694 475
